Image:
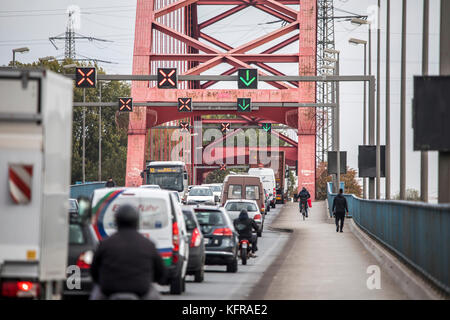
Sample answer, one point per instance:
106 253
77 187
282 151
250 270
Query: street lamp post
20 50
336 111
359 22
424 154
356 42
388 103
403 107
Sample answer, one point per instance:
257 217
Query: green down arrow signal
267 127
244 105
248 81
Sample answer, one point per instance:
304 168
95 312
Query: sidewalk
319 263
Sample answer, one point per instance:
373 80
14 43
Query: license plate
244 245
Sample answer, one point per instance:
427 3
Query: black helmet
243 215
127 217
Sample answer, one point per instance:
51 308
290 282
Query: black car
196 262
221 239
82 244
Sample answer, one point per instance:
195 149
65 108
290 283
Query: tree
113 129
411 195
218 176
350 181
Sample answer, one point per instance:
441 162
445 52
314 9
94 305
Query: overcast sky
31 23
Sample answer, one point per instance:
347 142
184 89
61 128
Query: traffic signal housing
126 104
184 126
85 77
225 126
184 104
267 127
244 104
247 79
167 78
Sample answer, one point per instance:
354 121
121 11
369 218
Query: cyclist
303 197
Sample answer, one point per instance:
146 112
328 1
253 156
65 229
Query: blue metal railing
417 232
85 189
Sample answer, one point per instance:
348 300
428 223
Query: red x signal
225 126
184 104
184 126
85 77
126 104
167 78
223 167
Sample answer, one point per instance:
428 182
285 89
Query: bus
169 175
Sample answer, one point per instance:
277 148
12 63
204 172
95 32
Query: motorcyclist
244 225
127 262
303 197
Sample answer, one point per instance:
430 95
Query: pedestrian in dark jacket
303 197
244 226
127 262
339 209
110 183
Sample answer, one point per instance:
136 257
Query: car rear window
252 192
234 191
153 212
238 206
210 218
76 235
200 192
190 221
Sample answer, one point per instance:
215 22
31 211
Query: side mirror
84 208
142 174
216 198
185 176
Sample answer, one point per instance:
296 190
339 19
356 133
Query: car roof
200 187
241 200
138 192
166 163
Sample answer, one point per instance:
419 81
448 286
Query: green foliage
218 176
114 136
350 181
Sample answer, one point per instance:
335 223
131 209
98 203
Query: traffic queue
191 228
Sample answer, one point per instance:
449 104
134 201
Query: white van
267 176
161 220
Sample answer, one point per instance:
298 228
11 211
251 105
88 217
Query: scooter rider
303 197
127 262
244 226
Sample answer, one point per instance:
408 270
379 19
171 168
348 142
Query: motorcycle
244 250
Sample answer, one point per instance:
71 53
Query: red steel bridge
168 33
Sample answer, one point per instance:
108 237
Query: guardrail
417 232
85 189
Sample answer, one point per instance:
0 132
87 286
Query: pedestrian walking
339 209
110 183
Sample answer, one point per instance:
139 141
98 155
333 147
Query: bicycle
303 209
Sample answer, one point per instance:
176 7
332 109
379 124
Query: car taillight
85 260
226 232
257 217
20 289
175 237
196 238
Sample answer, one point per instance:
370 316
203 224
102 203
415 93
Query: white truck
35 155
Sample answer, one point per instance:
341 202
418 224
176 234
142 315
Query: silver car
234 207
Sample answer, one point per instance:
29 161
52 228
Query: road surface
220 285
